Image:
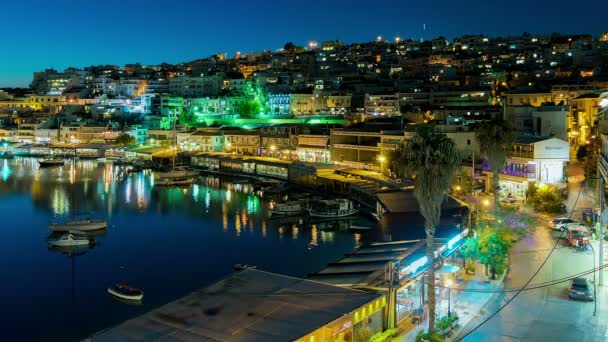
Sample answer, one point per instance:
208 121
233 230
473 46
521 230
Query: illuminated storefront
357 326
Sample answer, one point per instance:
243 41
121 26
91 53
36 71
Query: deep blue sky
37 34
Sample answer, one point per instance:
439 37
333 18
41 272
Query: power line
531 278
533 287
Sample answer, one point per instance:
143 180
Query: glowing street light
381 159
379 38
397 40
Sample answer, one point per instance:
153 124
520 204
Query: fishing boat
287 209
174 177
333 208
82 225
126 292
71 239
51 162
6 155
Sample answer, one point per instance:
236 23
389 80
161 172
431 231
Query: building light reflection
294 232
237 224
6 170
208 199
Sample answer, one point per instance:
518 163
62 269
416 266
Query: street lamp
448 284
381 159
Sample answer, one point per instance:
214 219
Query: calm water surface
168 241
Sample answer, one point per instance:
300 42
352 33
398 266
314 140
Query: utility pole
600 183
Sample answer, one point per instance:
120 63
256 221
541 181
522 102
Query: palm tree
432 159
495 139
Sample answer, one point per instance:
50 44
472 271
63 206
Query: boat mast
73 180
175 141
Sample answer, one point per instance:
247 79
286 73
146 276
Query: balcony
522 154
519 174
356 147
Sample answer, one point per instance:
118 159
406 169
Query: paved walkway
466 303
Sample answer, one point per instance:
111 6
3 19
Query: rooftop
267 306
528 140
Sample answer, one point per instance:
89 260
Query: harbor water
166 241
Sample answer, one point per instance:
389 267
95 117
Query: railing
520 174
522 154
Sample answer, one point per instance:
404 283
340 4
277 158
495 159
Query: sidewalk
466 304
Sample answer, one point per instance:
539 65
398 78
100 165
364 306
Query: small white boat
333 208
51 162
79 225
126 292
70 239
286 209
174 181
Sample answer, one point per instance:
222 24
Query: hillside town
343 104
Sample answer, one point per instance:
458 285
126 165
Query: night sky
38 34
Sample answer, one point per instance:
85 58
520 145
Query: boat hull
82 226
294 212
50 163
117 294
69 243
173 182
345 213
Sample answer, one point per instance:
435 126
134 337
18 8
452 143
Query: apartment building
541 160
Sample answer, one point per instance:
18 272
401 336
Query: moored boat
79 225
51 162
174 181
286 209
71 239
126 292
6 155
333 208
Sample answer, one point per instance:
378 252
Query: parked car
559 219
566 224
580 288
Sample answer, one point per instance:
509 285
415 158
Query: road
544 314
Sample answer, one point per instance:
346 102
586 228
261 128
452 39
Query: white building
533 159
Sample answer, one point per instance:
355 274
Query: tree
587 155
544 198
125 139
491 248
495 139
249 108
289 47
432 160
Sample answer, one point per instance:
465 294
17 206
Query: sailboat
174 177
74 224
